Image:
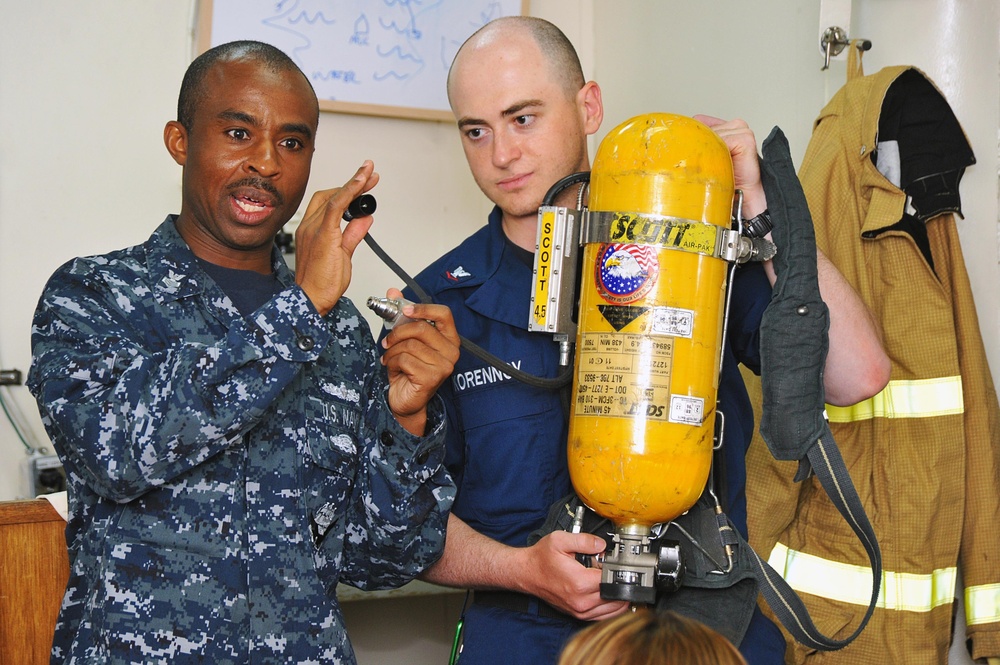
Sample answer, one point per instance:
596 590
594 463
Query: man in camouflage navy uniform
234 447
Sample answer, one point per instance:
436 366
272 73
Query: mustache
259 183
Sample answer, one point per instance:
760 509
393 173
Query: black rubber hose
563 379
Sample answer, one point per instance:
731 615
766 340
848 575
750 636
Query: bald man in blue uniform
524 112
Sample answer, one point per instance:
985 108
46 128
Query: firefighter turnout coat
881 176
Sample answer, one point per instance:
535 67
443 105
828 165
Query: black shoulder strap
831 472
794 345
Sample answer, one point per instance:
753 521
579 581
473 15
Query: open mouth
252 205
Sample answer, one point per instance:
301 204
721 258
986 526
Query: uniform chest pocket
495 404
514 437
331 456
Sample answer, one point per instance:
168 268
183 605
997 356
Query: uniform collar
476 260
503 280
174 271
859 107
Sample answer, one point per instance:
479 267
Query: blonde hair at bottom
650 637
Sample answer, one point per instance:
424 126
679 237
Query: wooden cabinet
34 567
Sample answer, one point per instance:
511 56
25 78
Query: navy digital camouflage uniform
224 473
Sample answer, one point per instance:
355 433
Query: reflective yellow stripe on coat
853 584
922 398
982 604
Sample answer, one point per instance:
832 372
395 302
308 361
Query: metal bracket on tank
674 233
553 298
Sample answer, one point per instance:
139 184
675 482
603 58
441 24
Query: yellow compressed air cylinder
652 306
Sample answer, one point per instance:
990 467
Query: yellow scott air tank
652 305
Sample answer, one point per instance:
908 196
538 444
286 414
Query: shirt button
305 343
386 438
422 457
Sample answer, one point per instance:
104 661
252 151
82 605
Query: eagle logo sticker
626 272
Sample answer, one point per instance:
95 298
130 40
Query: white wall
731 59
82 163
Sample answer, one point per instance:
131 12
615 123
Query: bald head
509 32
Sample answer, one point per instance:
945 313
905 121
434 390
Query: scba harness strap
794 344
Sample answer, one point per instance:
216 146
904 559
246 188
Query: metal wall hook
834 40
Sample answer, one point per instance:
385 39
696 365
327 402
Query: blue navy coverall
224 472
506 441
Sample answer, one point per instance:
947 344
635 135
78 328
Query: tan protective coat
928 471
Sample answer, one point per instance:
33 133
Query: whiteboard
379 57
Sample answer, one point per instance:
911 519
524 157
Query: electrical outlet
45 475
